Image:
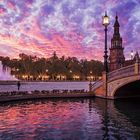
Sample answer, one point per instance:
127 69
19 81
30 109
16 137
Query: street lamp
105 23
70 75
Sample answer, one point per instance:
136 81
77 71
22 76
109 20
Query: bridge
120 83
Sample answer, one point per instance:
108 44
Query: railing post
90 87
136 67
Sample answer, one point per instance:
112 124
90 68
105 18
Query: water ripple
68 119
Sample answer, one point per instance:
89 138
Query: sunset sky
69 27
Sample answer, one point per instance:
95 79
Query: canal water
70 119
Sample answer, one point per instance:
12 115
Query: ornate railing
119 73
96 85
122 72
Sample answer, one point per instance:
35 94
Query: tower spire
116 15
116 57
116 26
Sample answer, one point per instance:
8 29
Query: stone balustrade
122 72
96 85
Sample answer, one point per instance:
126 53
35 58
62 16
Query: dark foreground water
70 119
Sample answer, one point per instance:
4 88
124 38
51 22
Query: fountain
5 74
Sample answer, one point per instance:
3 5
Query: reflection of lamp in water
106 120
132 54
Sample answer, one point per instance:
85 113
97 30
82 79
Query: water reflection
70 119
131 109
119 117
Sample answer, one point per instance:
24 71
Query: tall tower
116 57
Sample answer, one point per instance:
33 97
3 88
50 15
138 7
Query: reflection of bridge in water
119 121
123 82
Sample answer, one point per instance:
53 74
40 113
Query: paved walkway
29 95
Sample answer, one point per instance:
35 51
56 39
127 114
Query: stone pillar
104 79
137 63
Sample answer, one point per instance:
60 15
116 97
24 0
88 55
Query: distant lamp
132 54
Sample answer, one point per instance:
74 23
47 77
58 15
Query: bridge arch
128 89
123 82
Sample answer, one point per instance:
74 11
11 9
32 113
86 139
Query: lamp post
105 23
70 74
90 75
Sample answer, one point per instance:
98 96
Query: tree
53 66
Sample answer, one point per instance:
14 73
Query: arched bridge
123 82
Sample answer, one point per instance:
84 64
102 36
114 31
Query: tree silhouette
53 66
